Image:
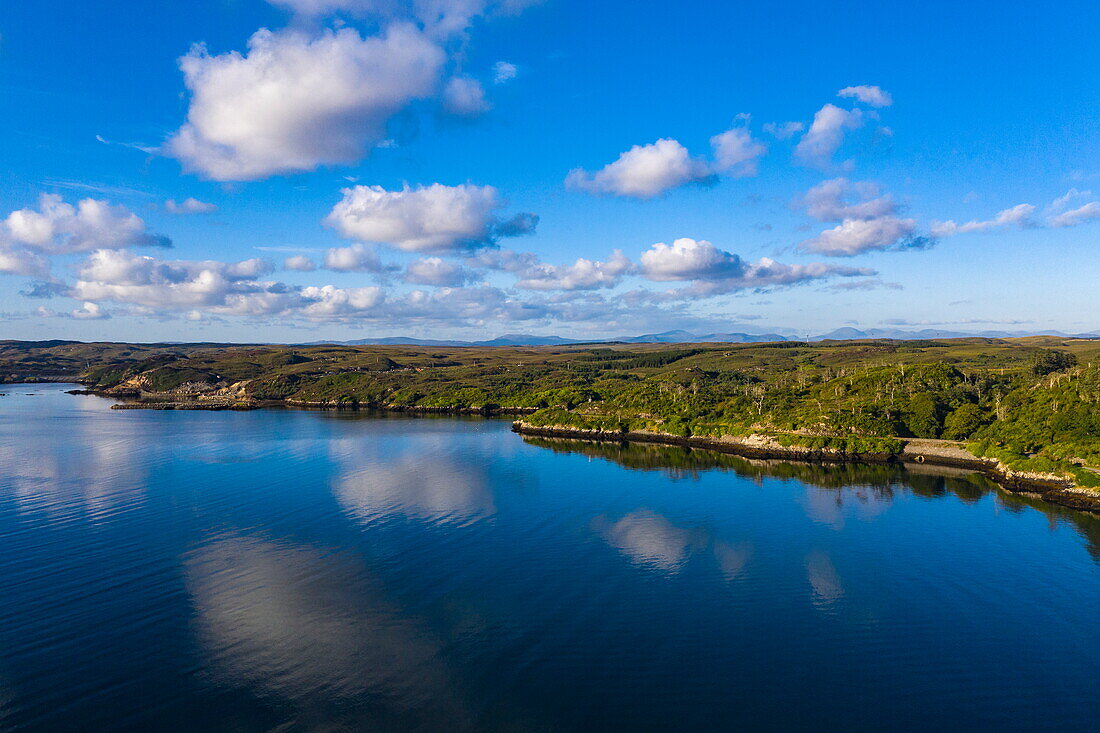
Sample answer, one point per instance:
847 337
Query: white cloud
465 97
714 271
736 153
295 102
584 274
831 201
90 312
689 259
644 171
821 141
189 206
22 262
433 218
328 301
1019 216
868 220
1080 215
1061 203
869 95
438 272
504 71
28 236
855 236
299 263
1058 216
356 258
121 276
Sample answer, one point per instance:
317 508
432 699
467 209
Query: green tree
925 416
1049 361
963 422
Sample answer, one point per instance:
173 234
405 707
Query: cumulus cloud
644 171
232 287
226 288
356 258
89 312
28 237
1018 216
689 259
869 95
868 220
736 153
438 272
714 271
328 301
189 206
433 218
86 312
826 133
465 97
295 102
584 274
856 236
60 228
504 71
22 262
832 200
299 263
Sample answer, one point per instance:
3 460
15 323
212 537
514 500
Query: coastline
1050 488
139 400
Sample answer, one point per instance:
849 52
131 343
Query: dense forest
1033 403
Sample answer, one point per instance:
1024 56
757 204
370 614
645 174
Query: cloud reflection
432 489
824 579
312 627
651 541
93 473
648 539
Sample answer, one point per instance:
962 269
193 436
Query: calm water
306 570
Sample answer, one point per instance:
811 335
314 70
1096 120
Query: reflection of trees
862 483
1087 525
680 461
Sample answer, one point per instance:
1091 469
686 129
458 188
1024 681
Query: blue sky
691 165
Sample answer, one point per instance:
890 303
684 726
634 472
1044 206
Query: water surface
300 570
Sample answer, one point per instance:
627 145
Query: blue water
298 570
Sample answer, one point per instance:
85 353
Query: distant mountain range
686 337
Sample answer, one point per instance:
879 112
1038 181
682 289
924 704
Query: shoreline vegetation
1025 412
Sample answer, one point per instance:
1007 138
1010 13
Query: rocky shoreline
1051 488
